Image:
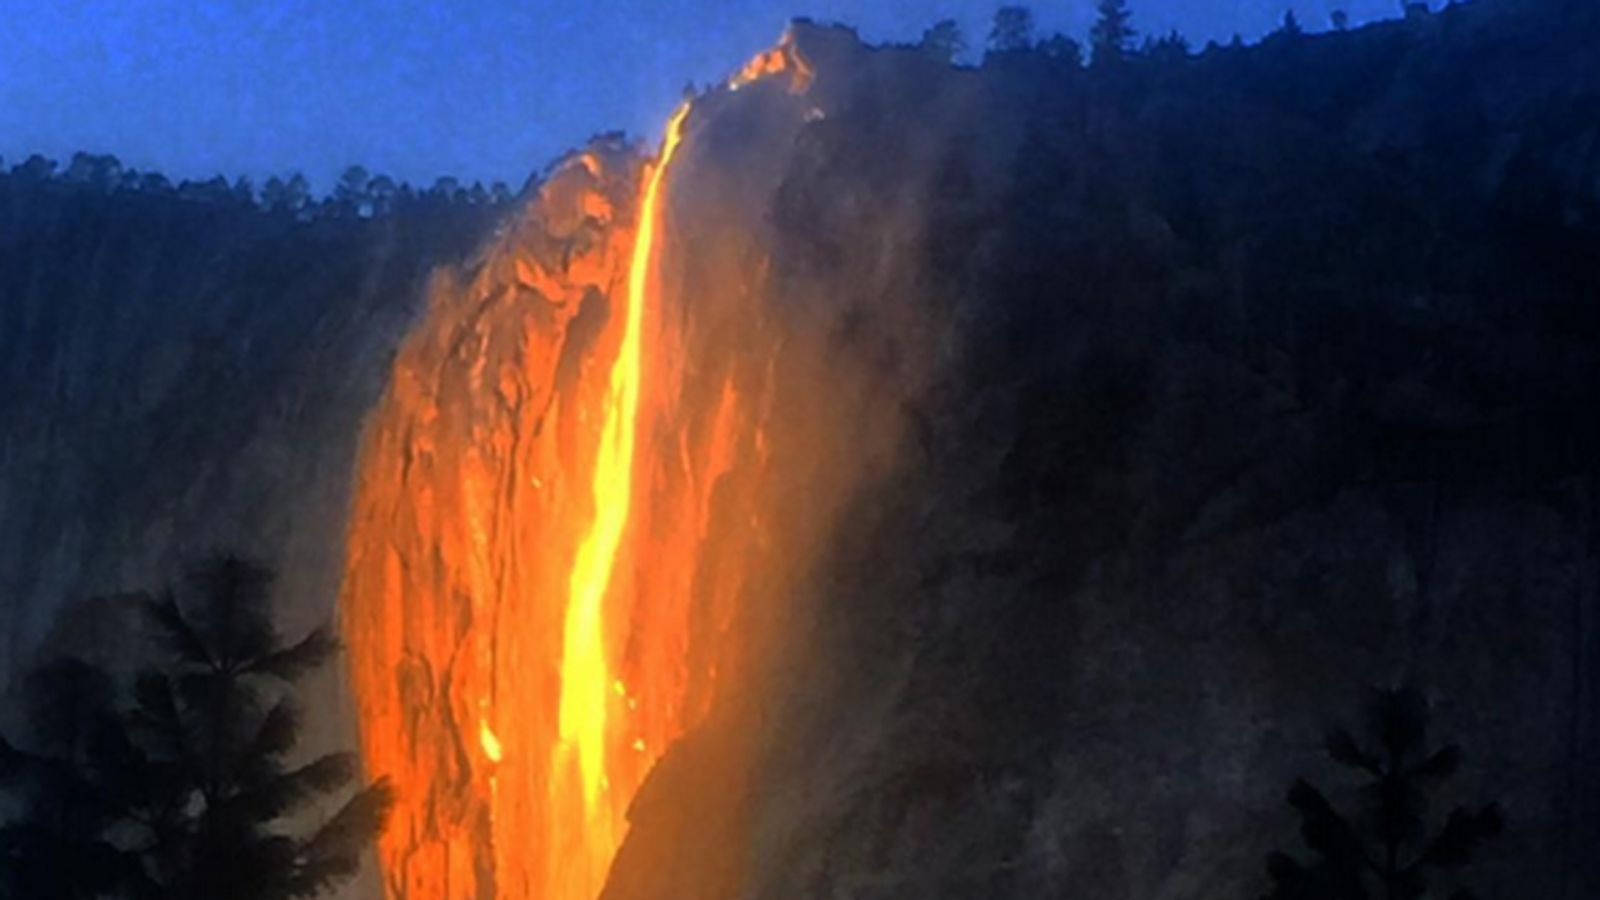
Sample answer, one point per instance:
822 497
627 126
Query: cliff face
1022 467
182 374
462 500
614 362
1261 377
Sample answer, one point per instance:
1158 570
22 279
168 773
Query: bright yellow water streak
585 675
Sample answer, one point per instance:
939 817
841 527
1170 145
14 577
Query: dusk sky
485 89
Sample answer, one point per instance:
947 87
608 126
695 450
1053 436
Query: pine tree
1174 48
943 41
67 792
1012 31
1291 24
1395 851
1112 34
186 793
1059 48
350 193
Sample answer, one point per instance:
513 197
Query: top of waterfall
784 59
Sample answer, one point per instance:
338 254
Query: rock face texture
182 373
1030 464
1261 377
483 479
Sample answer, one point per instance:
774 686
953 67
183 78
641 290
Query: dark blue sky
416 88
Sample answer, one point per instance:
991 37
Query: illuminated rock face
577 512
473 495
489 523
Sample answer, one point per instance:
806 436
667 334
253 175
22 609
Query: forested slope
1276 378
185 369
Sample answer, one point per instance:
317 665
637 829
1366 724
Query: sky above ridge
481 89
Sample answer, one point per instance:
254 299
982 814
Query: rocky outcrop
475 497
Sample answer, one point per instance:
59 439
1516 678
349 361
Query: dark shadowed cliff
184 370
1276 377
1035 460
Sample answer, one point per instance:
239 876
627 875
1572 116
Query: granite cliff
1028 463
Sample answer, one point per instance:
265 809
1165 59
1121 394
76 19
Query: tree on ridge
1112 33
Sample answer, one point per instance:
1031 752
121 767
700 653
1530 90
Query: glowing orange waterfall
586 680
512 671
561 504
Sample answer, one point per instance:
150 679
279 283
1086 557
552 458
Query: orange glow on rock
585 669
780 60
490 576
570 495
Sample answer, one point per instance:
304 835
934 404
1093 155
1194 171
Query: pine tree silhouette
68 791
1111 34
1012 31
187 793
943 41
1395 852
